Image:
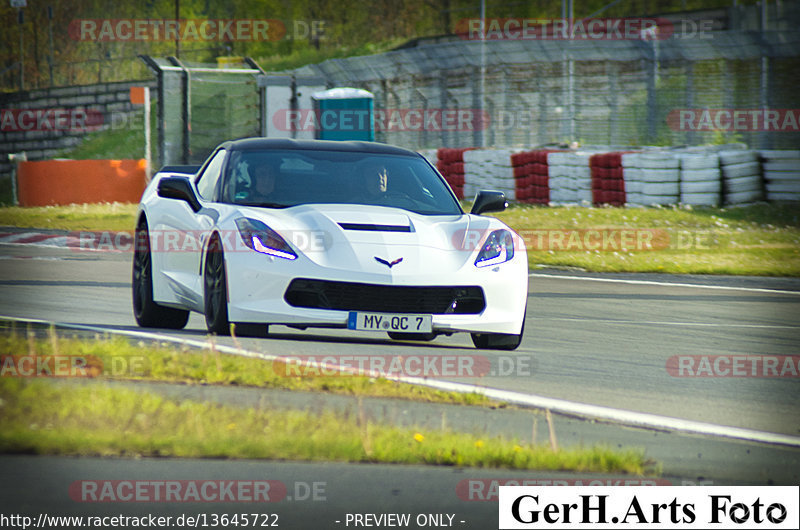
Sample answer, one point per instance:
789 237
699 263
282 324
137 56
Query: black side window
208 180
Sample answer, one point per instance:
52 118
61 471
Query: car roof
248 144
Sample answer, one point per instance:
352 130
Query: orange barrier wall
59 182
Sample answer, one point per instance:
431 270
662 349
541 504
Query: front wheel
215 290
149 314
498 341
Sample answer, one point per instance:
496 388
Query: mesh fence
524 93
202 107
595 92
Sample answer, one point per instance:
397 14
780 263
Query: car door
184 234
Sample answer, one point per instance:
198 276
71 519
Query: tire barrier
489 169
700 179
531 176
570 177
701 176
450 163
608 184
781 175
741 177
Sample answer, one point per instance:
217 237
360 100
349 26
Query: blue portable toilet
344 114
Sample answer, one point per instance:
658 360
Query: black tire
249 329
498 341
215 290
394 335
149 314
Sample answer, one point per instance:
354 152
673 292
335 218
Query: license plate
401 323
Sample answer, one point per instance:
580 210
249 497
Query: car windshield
283 178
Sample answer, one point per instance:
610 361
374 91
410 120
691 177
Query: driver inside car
376 182
262 188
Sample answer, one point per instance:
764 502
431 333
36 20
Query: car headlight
263 239
498 248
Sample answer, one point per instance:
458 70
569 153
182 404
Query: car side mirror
489 201
179 188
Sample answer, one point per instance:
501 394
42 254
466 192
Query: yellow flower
231 426
517 448
418 437
479 444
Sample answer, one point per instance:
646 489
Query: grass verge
41 418
115 357
110 216
757 240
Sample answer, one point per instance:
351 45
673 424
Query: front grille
347 296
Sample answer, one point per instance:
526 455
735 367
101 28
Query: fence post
160 80
262 98
186 110
613 88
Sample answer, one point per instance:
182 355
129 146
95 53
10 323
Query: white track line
668 284
657 323
632 418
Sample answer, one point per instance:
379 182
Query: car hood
380 240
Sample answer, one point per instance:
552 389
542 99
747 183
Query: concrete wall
42 139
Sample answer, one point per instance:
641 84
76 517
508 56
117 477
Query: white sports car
354 235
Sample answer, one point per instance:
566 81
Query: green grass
758 240
117 144
42 418
113 216
115 357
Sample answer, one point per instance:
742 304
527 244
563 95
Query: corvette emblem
389 264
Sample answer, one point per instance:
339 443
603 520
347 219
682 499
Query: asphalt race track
602 340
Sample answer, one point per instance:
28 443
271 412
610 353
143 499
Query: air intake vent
375 228
347 296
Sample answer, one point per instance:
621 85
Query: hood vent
365 227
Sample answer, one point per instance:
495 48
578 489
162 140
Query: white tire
658 161
707 161
700 199
789 164
633 186
580 172
660 188
781 175
741 184
648 200
772 154
630 160
557 159
783 186
699 175
746 169
660 175
728 158
743 197
634 198
783 196
710 186
632 174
